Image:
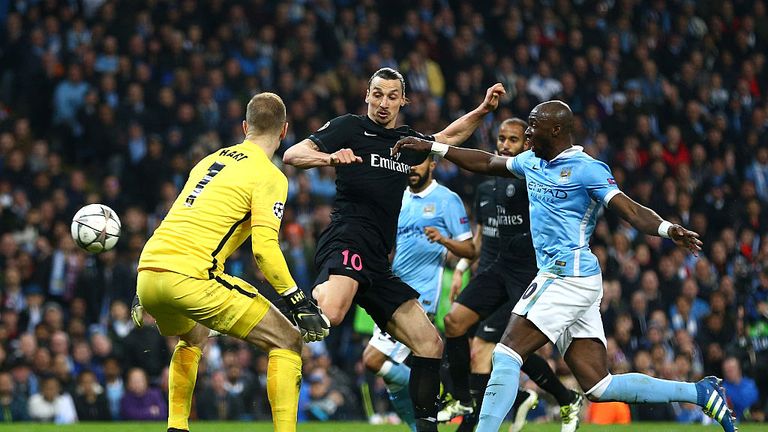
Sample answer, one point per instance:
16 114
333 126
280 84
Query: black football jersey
369 194
485 214
513 220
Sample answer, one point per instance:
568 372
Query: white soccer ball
95 228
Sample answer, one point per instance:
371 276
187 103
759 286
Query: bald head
557 112
551 128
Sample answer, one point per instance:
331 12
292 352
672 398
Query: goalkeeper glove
137 312
314 325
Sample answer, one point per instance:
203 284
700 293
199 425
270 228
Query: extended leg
410 325
396 377
587 360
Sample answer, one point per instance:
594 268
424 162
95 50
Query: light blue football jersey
564 196
418 262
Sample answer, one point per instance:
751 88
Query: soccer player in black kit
507 265
352 253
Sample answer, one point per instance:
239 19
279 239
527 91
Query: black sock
521 396
457 351
477 384
539 371
424 387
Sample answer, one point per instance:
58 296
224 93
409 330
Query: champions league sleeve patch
278 209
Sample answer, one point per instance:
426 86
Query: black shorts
499 286
492 328
362 256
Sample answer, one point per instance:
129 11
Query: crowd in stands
114 102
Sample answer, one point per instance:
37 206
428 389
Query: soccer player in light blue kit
432 221
565 189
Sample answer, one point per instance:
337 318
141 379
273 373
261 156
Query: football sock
396 377
457 352
424 387
182 376
283 381
501 392
539 371
477 383
639 388
521 395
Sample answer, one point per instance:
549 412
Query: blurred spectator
140 402
90 401
51 405
214 402
13 406
742 391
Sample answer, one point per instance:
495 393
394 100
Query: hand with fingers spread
344 156
492 96
685 238
412 143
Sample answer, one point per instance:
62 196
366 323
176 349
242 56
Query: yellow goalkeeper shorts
225 303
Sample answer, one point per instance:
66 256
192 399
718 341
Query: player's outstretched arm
470 159
307 154
459 130
650 223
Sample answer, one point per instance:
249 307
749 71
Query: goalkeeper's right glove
137 312
314 325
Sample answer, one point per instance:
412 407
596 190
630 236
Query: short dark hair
388 74
265 113
517 121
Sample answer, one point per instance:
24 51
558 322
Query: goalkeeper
231 194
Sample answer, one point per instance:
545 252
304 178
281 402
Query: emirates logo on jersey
278 209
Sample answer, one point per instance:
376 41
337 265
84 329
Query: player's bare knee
373 360
429 345
453 327
291 340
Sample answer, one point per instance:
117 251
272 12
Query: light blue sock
403 405
501 390
396 377
639 388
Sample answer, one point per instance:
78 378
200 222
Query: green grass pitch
350 427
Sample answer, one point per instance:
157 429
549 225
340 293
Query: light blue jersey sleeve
456 219
599 182
515 164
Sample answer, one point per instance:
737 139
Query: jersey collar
428 190
569 152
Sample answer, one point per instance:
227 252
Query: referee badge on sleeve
278 209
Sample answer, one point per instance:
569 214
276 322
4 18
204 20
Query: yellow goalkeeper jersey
229 194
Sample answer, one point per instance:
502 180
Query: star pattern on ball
278 209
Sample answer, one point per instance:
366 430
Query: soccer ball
95 228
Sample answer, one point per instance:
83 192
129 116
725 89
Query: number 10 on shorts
353 260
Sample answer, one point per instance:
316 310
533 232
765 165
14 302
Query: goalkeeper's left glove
314 325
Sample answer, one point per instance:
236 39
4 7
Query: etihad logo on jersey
386 163
545 192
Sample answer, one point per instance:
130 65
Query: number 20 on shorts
353 260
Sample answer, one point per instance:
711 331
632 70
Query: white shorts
387 345
564 307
